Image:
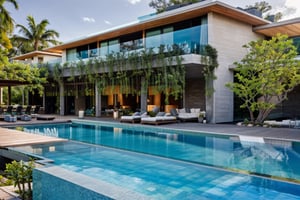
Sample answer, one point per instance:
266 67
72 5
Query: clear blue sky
76 18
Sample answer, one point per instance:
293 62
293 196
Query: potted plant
201 117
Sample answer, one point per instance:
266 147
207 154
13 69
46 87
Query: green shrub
21 175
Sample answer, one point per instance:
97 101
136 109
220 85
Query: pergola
9 84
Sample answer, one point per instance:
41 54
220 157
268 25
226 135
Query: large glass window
131 42
110 46
153 39
93 50
103 49
113 46
190 36
82 52
296 41
71 55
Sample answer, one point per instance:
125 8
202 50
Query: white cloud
294 10
107 22
88 19
134 1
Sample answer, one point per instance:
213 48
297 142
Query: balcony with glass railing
190 41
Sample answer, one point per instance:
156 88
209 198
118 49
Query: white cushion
182 110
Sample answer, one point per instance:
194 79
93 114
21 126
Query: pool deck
274 133
11 138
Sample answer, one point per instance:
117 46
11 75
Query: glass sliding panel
93 50
167 38
71 55
82 51
139 43
132 42
103 49
153 40
113 46
296 41
203 34
127 46
182 38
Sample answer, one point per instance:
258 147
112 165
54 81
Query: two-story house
191 27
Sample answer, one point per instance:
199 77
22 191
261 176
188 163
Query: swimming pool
180 173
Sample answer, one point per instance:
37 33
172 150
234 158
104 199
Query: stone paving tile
5 193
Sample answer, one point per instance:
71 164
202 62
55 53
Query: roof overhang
289 27
168 17
36 53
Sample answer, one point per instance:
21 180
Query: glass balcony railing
190 40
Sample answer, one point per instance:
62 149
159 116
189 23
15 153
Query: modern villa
187 29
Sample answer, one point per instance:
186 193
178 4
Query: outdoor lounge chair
25 117
10 118
160 118
19 110
35 111
9 110
45 117
28 110
134 118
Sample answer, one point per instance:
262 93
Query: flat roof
289 27
36 53
168 17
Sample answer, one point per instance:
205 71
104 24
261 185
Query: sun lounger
9 118
25 117
159 120
134 118
40 117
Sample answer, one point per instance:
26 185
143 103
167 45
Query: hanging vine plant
162 71
210 60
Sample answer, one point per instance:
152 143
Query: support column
9 96
1 95
61 99
44 100
144 95
97 102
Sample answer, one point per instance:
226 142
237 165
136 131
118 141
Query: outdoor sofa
160 118
134 118
189 115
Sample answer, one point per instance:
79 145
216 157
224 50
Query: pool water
180 174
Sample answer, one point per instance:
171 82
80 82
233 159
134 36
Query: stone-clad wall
227 36
195 93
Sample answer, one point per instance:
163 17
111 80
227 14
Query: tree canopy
35 36
161 5
6 23
34 77
265 8
266 75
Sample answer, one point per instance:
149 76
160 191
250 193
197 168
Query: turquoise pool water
178 172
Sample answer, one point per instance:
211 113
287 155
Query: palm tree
36 36
6 23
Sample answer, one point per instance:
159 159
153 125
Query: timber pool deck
11 138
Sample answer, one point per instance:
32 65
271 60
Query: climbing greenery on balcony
130 73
